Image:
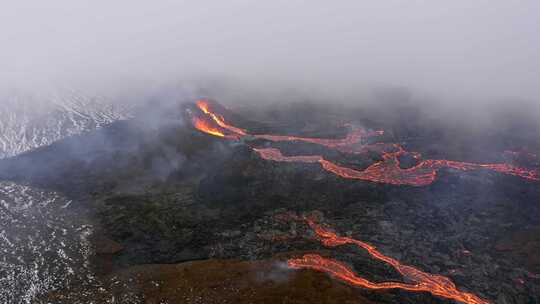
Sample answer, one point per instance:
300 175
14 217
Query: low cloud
457 51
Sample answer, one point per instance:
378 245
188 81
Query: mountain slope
31 121
44 244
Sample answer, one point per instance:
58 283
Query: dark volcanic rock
523 245
407 160
169 194
164 227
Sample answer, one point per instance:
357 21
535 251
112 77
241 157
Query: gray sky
473 48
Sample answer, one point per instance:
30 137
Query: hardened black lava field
335 205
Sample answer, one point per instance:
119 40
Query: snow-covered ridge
31 121
44 246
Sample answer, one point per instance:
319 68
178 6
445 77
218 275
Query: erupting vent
387 171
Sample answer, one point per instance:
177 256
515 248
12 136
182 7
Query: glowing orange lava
387 171
206 127
345 145
275 155
423 282
204 106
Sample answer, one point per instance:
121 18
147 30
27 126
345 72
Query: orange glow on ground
344 145
423 282
204 126
387 171
204 106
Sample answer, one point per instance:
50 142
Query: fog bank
458 50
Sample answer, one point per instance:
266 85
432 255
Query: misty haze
280 152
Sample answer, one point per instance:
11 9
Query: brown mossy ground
220 281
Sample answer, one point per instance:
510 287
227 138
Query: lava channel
423 282
205 106
386 171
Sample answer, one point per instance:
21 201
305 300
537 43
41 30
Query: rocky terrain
45 243
179 216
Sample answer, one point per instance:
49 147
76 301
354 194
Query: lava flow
423 282
344 145
275 155
204 105
387 171
216 122
206 127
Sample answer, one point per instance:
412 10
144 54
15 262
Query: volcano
210 204
387 171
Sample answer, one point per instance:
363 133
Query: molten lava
275 155
204 105
423 282
344 145
387 171
206 127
